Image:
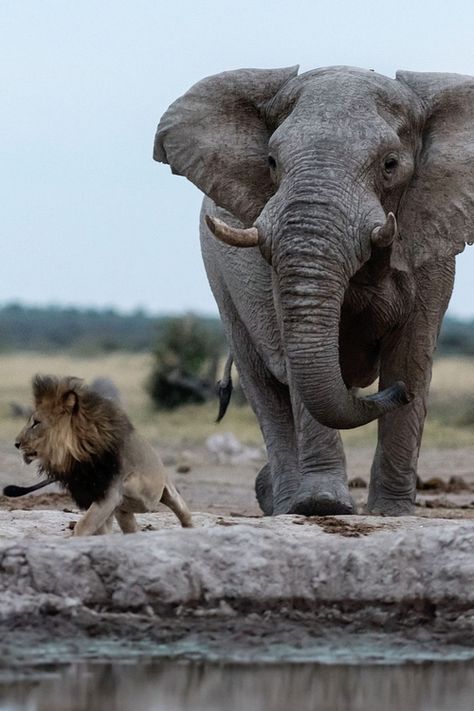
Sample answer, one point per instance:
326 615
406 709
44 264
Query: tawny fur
87 443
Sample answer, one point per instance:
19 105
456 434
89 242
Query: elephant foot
391 507
385 502
322 496
264 490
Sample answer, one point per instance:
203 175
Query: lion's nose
17 445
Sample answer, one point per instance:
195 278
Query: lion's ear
71 402
43 386
71 387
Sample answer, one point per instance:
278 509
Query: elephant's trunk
313 275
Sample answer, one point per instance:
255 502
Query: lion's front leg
98 514
106 528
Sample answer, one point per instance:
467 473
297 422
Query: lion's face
31 439
49 434
70 423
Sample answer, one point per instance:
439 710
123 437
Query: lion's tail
224 388
13 490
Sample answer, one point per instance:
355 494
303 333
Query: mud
217 636
343 527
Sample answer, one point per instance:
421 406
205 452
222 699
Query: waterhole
192 686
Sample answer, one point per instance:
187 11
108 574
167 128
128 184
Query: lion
87 443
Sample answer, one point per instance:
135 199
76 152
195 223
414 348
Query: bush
453 410
186 361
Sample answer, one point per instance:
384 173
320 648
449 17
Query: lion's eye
35 423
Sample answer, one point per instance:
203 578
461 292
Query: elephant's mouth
360 338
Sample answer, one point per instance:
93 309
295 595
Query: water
191 686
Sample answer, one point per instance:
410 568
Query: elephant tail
224 388
13 490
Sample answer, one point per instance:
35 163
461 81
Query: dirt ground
446 482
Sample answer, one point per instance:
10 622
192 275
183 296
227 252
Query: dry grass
452 391
453 381
187 426
453 376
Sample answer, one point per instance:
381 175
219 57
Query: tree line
89 331
187 349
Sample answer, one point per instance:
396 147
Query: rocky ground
239 584
220 478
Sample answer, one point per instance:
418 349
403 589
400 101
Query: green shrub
186 359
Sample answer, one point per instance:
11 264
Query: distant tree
456 337
89 331
186 359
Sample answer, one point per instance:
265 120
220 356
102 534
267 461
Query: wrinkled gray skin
316 162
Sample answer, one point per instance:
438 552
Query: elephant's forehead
360 91
343 103
345 89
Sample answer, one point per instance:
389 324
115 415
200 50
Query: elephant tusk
383 235
234 236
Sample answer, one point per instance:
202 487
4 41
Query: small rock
183 468
357 483
184 461
457 483
227 449
434 482
226 610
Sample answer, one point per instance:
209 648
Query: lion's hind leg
126 521
173 499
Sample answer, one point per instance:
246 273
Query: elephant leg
264 489
270 400
241 284
392 489
323 489
278 480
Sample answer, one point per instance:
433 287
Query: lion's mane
82 440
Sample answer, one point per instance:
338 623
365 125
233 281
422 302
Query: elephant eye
390 164
272 162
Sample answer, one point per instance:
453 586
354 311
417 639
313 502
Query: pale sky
86 216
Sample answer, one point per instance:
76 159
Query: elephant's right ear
216 136
438 206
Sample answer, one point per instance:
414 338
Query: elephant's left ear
437 212
217 137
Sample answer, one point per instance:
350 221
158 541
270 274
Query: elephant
335 203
